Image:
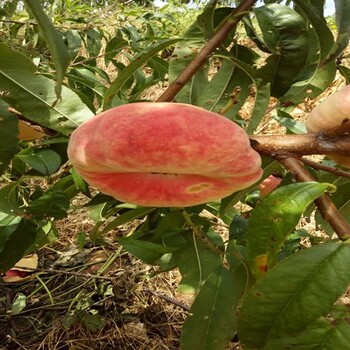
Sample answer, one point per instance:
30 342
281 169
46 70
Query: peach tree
190 150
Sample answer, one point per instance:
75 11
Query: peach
268 185
164 154
329 114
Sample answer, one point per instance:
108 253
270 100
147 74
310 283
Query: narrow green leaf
34 95
342 8
212 320
319 24
262 100
292 125
285 35
137 62
326 333
126 217
54 40
8 136
274 218
181 57
294 294
345 72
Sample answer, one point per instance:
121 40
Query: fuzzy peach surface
163 154
331 113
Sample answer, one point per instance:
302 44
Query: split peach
164 154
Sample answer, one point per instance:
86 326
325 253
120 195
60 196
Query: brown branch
302 144
329 169
217 39
324 203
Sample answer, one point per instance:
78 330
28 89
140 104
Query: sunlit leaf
54 40
34 95
212 320
274 218
294 294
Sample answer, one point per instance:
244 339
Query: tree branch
302 144
216 40
327 168
324 203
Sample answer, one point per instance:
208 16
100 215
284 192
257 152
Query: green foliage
294 294
60 64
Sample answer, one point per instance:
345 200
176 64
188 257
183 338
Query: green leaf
285 35
342 8
325 333
80 183
324 35
274 218
54 203
146 251
19 303
235 71
93 41
181 57
310 83
345 72
136 63
262 100
212 320
12 251
46 162
126 217
34 95
8 224
196 262
292 125
341 200
10 202
74 42
94 322
294 294
54 40
8 136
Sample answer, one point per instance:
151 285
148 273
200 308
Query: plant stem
301 144
324 203
217 39
327 168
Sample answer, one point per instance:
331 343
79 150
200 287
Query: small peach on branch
332 117
164 154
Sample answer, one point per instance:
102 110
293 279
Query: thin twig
327 168
170 300
324 203
216 40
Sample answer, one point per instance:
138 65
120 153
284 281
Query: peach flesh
164 154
